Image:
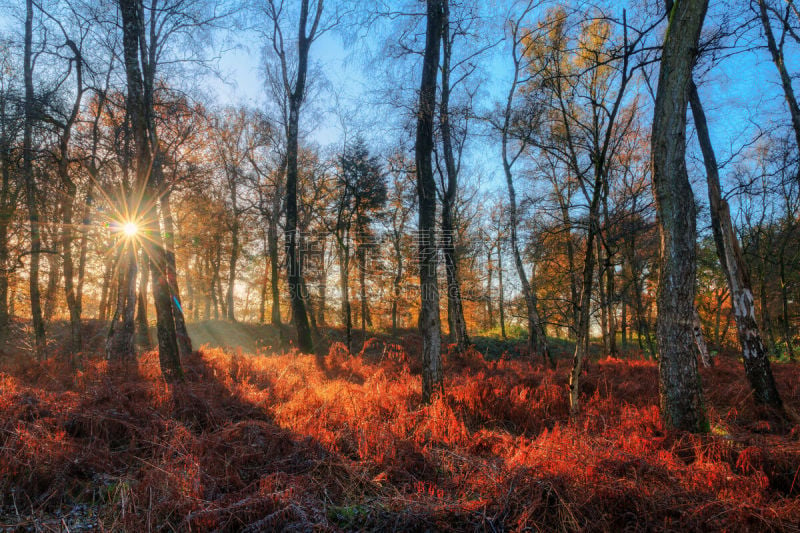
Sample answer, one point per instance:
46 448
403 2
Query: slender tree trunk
8 199
232 271
455 308
429 321
272 238
398 278
191 294
778 60
756 361
295 275
262 304
86 220
142 324
679 384
30 189
500 292
69 272
604 300
148 178
623 325
119 343
537 340
109 272
582 338
53 277
611 317
181 331
322 281
699 339
785 317
489 306
344 276
721 297
362 286
4 271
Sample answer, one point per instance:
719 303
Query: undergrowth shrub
341 441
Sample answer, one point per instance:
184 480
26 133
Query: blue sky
740 94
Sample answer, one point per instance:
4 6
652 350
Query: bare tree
537 340
293 78
40 340
756 361
679 384
429 321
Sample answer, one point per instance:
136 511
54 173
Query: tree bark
272 241
537 340
756 360
234 259
142 324
40 340
344 288
119 342
501 306
139 106
429 321
295 97
582 337
679 383
181 331
455 307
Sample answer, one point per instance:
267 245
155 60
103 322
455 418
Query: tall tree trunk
181 331
582 337
272 238
398 278
429 321
86 220
500 291
4 270
295 97
40 341
489 303
142 324
699 339
756 361
455 308
148 177
537 340
109 273
344 276
679 383
721 297
8 200
785 319
603 299
570 246
362 287
611 317
322 283
262 304
232 270
71 190
119 343
623 325
53 278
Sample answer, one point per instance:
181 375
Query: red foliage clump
341 441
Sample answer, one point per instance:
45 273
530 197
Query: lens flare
130 229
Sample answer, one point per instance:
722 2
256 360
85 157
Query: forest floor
256 440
